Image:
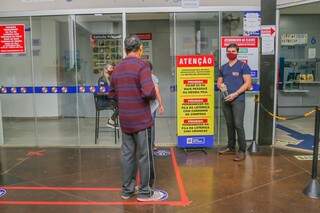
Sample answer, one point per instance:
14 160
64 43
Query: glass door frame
124 11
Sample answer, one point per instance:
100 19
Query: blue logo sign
254 73
2 192
161 153
313 40
196 140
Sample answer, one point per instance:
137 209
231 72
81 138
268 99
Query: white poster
311 53
248 52
267 45
190 3
251 23
268 34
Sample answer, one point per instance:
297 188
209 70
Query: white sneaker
158 195
111 124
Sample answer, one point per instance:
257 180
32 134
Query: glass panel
154 31
53 59
198 33
299 80
98 42
232 25
17 124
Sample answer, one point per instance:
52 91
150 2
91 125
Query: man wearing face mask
132 86
234 79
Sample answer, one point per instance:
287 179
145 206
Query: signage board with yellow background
195 100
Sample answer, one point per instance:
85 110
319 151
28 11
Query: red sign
144 36
195 121
195 61
241 41
199 81
268 30
193 101
12 38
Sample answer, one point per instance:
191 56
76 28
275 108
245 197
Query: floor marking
183 194
184 200
15 165
32 188
39 153
305 157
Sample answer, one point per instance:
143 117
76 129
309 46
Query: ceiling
311 8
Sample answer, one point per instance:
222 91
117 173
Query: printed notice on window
12 39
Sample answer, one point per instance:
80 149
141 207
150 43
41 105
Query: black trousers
234 115
108 102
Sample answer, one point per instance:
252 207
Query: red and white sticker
12 39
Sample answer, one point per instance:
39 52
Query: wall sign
146 39
248 52
12 39
195 100
251 23
294 39
190 3
268 34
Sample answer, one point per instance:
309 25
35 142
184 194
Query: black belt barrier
313 188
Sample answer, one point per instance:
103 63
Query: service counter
292 101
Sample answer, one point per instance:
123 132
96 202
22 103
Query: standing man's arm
220 79
219 82
159 98
147 86
245 86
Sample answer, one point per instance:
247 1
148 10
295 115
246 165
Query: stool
103 102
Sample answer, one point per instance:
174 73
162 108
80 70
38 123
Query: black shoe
240 156
226 151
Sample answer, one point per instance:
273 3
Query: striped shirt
132 86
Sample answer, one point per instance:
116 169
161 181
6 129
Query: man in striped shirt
133 88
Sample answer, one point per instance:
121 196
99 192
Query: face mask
232 56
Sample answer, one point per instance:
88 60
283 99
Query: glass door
17 118
55 76
197 34
154 29
98 43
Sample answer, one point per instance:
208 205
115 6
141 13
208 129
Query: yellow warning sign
195 95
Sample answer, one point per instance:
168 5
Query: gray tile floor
64 132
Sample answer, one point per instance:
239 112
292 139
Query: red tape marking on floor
184 198
59 188
92 203
39 153
183 202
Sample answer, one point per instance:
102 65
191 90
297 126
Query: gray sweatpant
137 148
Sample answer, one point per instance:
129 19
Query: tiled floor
270 181
67 132
303 129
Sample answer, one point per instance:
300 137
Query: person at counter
105 101
234 79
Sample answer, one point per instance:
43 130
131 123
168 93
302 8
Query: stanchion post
253 148
313 188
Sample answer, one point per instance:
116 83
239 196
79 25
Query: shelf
294 91
302 82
